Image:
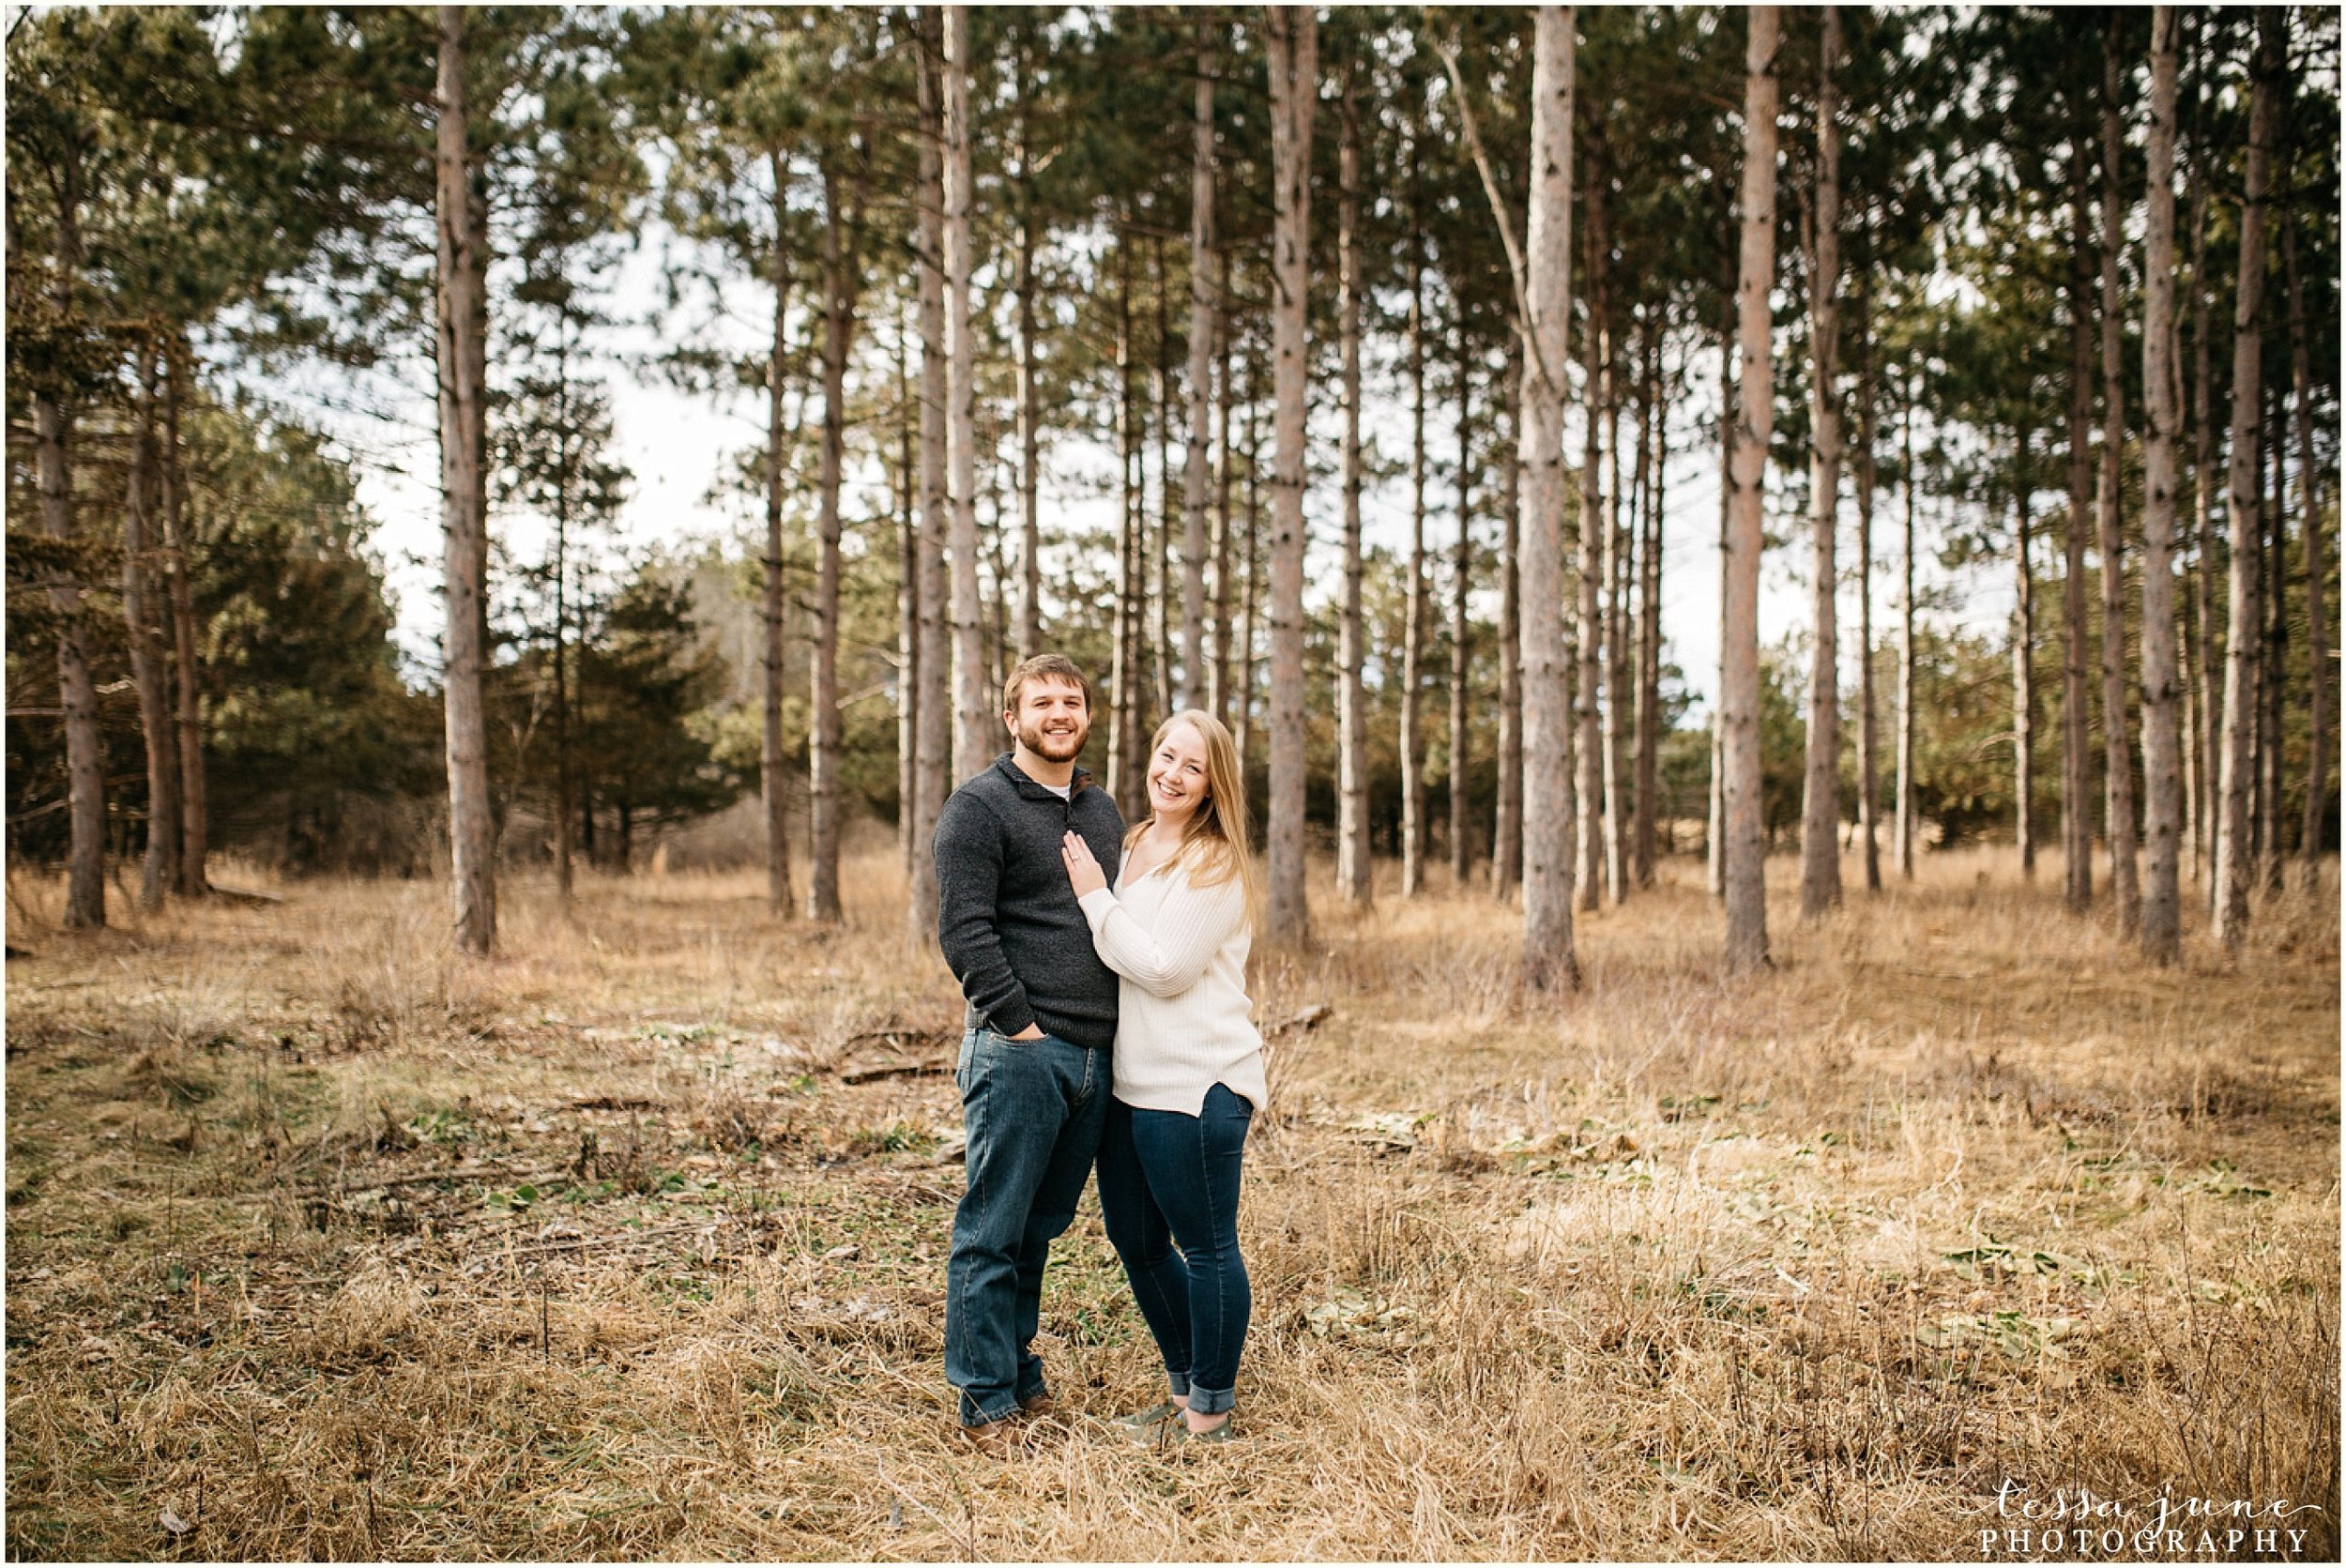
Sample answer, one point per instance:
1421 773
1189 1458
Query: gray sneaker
1147 1428
1180 1433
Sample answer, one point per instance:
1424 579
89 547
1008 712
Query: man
1034 1072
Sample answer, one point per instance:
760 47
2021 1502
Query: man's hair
1050 665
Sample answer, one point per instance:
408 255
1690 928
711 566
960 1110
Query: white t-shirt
1184 1021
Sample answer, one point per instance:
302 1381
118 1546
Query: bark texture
1507 816
2311 829
1744 849
2234 862
2023 661
773 798
2077 812
1461 576
462 300
2162 787
1294 53
1354 881
1195 476
1902 821
976 730
159 870
823 742
1413 740
1821 809
1548 961
1589 630
933 715
2117 753
1653 448
1868 740
195 816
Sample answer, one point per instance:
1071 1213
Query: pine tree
1294 52
2162 804
2234 860
1743 845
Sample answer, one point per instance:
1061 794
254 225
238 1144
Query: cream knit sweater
1184 1023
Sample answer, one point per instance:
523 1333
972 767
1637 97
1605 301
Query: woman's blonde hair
1215 842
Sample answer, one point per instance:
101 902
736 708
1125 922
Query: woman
1188 1069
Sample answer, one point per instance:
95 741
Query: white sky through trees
681 446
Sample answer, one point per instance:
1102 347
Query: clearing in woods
323 1243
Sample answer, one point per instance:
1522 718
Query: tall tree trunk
1653 447
1125 742
1714 840
1413 830
933 715
2117 755
2023 662
823 751
2316 813
906 471
1161 649
2204 530
2076 811
1124 656
180 583
1902 820
1868 741
1294 57
1615 612
1595 351
1030 408
1195 474
462 297
1745 858
2273 669
1219 697
976 729
1820 807
1000 649
77 692
564 874
149 671
1243 696
2163 804
2233 864
1548 961
773 798
1461 576
1507 816
1354 880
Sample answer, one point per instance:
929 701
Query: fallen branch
242 895
871 1072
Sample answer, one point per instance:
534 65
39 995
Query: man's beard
1055 748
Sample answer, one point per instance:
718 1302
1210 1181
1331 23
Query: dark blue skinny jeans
1031 1110
1169 1193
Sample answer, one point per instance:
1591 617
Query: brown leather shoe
1036 1406
995 1439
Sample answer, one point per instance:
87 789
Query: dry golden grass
325 1243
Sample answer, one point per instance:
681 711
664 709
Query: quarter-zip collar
1007 764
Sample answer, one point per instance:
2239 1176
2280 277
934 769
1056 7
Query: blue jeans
1170 1181
1031 1110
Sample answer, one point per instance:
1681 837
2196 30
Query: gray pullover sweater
1006 916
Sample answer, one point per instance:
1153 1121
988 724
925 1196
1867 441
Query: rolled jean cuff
974 1414
1211 1402
1178 1382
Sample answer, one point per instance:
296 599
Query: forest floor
630 1243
